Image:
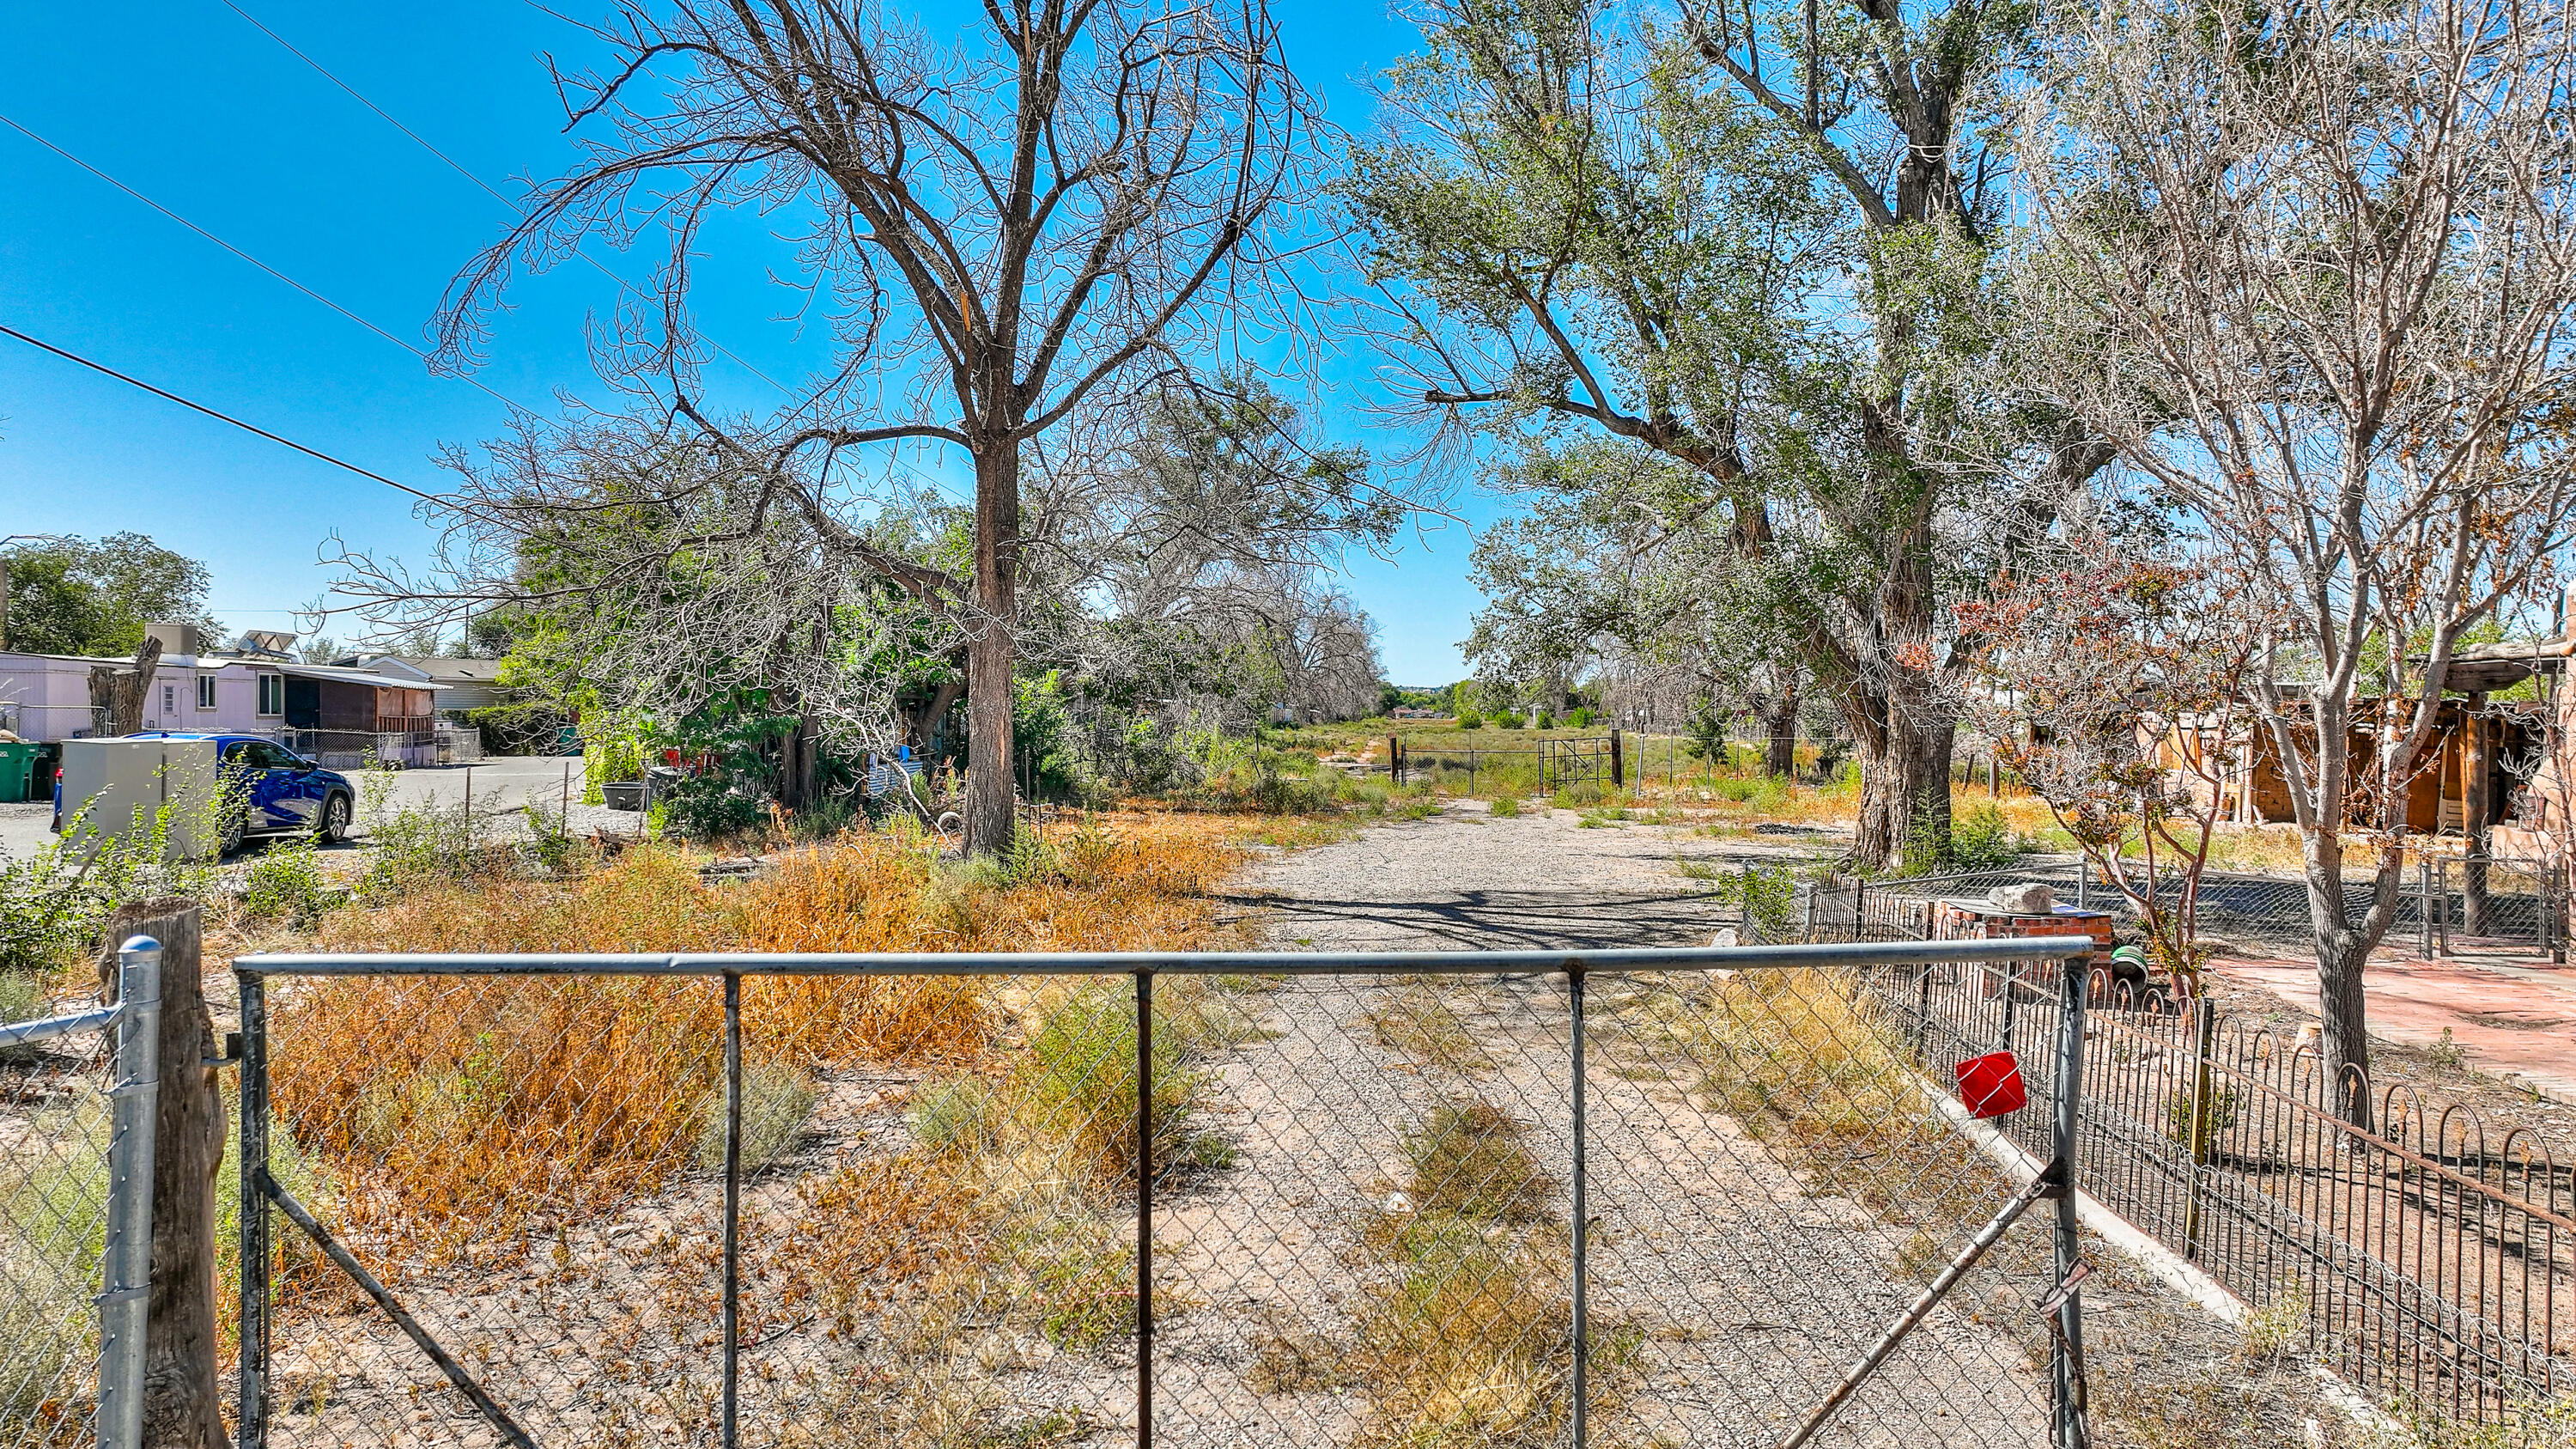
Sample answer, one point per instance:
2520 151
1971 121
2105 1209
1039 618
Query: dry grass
1416 1019
454 1115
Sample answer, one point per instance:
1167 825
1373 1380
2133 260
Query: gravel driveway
1726 1298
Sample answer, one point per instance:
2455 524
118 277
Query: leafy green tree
74 596
1761 244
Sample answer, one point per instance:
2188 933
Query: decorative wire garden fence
77 1097
2427 1260
1468 1198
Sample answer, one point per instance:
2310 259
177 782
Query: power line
488 189
220 416
474 382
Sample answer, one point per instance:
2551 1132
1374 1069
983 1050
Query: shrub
1581 718
287 883
1507 806
709 806
420 845
1982 839
776 1100
954 1116
1469 719
1507 721
23 996
1546 720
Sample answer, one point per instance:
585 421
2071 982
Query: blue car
268 789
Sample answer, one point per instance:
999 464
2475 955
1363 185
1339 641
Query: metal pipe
367 1282
1582 1228
1922 1306
250 1421
1121 963
27 1033
732 1205
1145 1210
2066 1346
125 1305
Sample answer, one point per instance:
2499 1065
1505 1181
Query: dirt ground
1788 1286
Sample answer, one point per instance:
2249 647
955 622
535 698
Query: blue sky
189 104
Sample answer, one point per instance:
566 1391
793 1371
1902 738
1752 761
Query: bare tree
2111 684
999 224
2320 265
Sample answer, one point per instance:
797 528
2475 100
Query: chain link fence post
732 1208
2066 1348
1581 1325
250 1421
1145 1208
125 1304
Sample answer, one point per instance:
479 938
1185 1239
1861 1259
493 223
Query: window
260 755
272 694
169 700
205 691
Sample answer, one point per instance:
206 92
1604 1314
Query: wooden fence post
1395 759
181 1407
1618 765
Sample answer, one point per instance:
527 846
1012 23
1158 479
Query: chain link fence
76 1129
1649 1197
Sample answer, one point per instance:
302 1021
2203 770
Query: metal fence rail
77 1098
1226 1198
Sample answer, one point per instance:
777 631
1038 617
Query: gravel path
1725 1297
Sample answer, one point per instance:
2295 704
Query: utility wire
488 189
70 356
256 262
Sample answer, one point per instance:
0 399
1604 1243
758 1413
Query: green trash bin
17 772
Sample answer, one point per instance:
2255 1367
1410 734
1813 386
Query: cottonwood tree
996 224
1762 245
2320 262
1612 563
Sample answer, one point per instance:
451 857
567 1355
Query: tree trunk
119 693
182 1408
1904 789
990 652
2343 949
1779 718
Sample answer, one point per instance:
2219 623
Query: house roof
345 675
441 668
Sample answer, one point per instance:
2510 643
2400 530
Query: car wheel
335 821
235 829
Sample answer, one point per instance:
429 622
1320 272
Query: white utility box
116 789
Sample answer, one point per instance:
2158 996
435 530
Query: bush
1581 718
419 845
1546 720
776 1100
1469 719
1507 806
954 1116
1507 721
708 807
1982 839
287 883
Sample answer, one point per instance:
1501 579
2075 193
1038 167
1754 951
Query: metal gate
1566 763
1208 1198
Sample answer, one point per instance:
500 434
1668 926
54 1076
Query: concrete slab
2515 1019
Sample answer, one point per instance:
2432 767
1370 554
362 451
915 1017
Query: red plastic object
1991 1085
